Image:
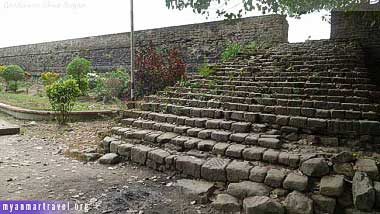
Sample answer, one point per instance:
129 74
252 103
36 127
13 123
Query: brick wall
196 42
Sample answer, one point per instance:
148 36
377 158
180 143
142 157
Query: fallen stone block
226 203
296 182
368 166
199 191
248 188
262 205
323 204
274 178
332 185
110 158
363 192
315 167
298 203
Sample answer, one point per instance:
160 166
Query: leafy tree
12 74
78 69
290 7
62 96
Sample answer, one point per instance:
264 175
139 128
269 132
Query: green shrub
49 78
93 80
231 50
78 69
114 85
205 70
2 68
12 74
62 95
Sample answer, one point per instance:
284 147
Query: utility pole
132 38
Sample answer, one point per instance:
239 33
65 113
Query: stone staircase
293 129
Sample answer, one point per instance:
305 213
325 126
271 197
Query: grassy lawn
37 102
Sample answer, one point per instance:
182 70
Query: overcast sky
34 21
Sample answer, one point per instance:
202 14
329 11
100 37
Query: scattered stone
345 169
315 167
262 205
296 182
298 203
215 169
258 174
110 158
343 157
196 190
332 185
376 185
226 203
274 178
323 204
114 145
238 170
363 192
247 188
329 141
368 166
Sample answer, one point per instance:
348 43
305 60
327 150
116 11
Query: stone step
269 105
300 74
297 123
247 179
210 148
296 89
281 93
236 103
299 82
206 129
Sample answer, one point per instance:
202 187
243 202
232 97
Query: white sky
34 21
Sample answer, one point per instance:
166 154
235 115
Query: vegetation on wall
231 50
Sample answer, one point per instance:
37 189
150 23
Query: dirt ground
33 166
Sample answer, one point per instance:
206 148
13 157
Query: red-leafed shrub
156 69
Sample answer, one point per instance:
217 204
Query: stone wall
196 42
364 26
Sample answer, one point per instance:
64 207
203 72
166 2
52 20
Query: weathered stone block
139 154
253 153
296 182
258 174
238 171
262 205
332 185
274 178
189 165
235 150
215 169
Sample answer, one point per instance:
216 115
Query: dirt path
34 167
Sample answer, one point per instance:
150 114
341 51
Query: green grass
36 102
